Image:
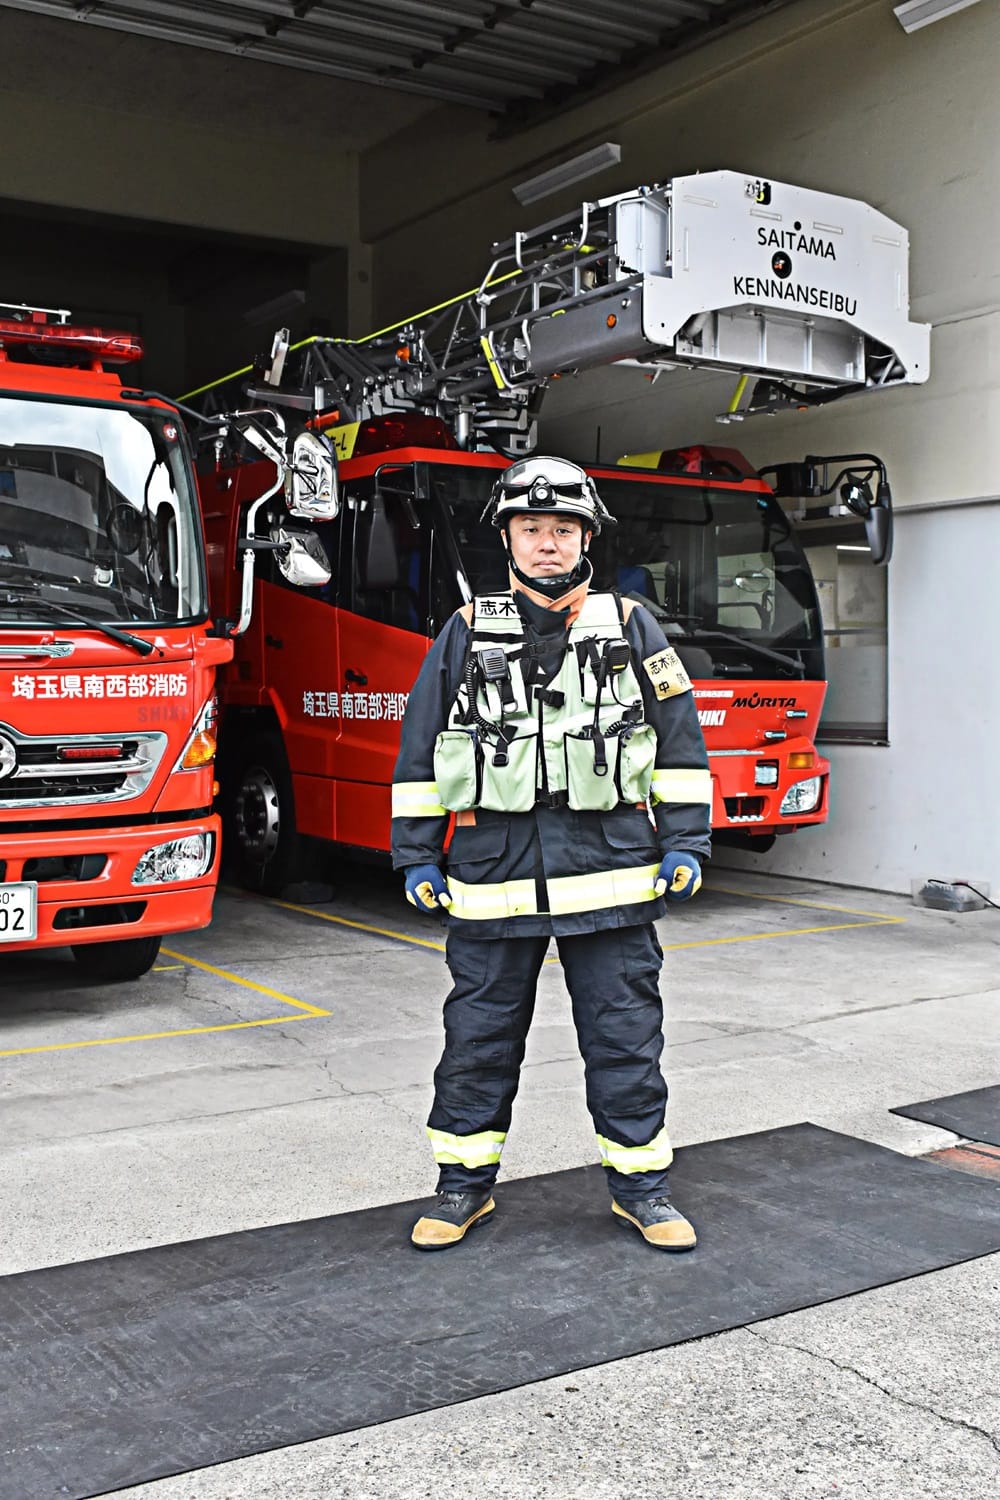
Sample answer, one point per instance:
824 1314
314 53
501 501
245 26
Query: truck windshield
97 514
721 570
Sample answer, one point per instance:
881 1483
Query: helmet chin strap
557 584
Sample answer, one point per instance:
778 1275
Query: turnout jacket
551 870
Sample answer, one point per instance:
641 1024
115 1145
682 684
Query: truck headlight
803 797
176 861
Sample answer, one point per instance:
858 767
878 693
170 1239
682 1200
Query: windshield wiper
792 668
697 631
22 593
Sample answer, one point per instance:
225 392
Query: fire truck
108 655
802 295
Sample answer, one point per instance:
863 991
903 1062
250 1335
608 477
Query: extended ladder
714 271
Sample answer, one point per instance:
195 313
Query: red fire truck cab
312 703
108 838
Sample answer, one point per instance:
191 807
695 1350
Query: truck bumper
740 805
85 890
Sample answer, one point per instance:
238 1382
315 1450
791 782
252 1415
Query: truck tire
264 846
112 963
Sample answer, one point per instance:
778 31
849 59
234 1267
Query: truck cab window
391 555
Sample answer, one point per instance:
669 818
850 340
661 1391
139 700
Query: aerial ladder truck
802 295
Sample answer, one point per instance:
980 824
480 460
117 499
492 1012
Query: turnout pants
613 981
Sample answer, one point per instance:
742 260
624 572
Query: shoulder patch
666 672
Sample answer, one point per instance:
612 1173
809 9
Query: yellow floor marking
156 1036
756 937
849 911
325 916
401 937
166 968
308 1012
248 984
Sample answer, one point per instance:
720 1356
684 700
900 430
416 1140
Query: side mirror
856 494
878 530
753 583
301 559
312 489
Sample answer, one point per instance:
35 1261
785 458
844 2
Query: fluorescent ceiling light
568 172
917 13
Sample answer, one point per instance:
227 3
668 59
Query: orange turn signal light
200 752
611 320
801 760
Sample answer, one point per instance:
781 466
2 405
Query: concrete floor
277 1067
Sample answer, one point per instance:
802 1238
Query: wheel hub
258 820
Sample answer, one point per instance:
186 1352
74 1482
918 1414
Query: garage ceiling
514 58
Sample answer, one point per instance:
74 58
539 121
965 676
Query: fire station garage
286 291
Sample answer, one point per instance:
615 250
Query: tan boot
453 1217
659 1222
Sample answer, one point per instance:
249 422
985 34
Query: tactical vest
578 740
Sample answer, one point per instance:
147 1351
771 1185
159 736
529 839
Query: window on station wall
853 600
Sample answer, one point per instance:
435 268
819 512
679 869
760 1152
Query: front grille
64 867
114 914
745 809
42 776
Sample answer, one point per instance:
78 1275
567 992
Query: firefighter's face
544 545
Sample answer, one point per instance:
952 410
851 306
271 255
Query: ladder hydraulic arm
806 290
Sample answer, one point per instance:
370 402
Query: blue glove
679 877
426 888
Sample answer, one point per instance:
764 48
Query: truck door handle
358 677
273 640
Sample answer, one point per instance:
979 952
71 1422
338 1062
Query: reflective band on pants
656 1156
681 786
567 893
417 799
480 1150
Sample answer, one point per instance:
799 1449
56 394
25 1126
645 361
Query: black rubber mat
975 1115
118 1371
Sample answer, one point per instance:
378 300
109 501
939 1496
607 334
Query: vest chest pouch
636 759
509 775
600 773
590 773
457 769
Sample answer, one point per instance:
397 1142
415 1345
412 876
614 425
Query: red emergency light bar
88 343
411 430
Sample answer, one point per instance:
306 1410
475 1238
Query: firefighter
558 726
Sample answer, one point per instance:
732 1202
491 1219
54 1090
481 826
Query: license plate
18 911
